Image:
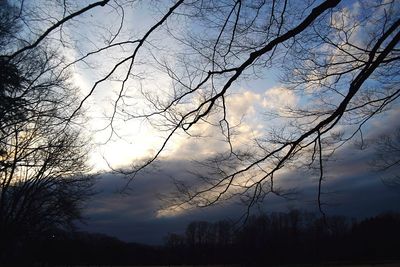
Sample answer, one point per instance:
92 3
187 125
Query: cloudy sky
352 189
351 186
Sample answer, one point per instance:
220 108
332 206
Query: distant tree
174 241
43 154
268 240
387 157
224 233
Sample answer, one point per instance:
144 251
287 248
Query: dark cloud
351 188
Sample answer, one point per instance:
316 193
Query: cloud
350 189
242 104
205 139
132 216
277 99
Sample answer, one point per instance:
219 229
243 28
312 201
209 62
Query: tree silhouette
341 57
297 237
43 169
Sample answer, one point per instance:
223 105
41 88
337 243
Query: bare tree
343 58
43 151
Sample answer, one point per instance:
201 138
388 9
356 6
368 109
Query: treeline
285 238
267 239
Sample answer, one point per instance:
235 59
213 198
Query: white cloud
278 99
242 104
241 114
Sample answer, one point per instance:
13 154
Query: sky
352 190
351 186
